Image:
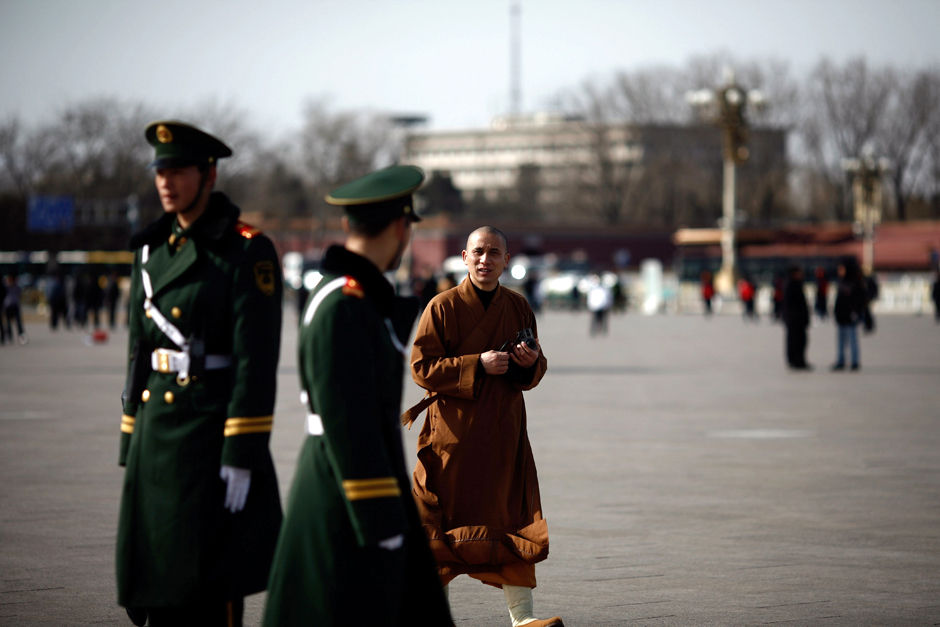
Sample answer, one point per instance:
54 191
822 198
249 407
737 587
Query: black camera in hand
524 336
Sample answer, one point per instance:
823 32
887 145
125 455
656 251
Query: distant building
563 170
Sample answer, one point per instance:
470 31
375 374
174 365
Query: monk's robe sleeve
432 368
528 378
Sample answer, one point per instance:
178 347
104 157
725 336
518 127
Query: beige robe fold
475 481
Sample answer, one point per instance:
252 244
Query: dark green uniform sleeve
129 397
256 324
358 428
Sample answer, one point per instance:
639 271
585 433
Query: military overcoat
219 284
351 489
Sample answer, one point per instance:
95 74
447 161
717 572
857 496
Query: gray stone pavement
688 478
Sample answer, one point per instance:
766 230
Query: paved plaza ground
688 478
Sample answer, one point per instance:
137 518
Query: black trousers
796 346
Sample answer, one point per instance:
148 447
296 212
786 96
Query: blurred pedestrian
200 510
747 293
821 303
475 480
779 280
871 294
708 291
445 283
599 302
533 291
425 287
796 319
112 297
11 309
80 291
621 299
352 550
56 297
935 295
95 299
3 327
849 311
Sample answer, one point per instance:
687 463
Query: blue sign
50 214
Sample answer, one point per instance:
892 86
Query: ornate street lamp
726 107
867 173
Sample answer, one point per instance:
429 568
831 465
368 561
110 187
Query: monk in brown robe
475 481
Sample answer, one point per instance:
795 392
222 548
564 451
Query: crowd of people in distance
78 299
850 308
81 300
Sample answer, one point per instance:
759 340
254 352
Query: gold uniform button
148 314
176 312
145 396
168 398
172 239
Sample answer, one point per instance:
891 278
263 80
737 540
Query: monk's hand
495 362
525 356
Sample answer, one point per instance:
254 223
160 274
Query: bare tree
277 186
338 146
15 171
843 108
653 95
27 156
905 134
645 113
855 108
335 147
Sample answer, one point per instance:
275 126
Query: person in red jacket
708 291
746 292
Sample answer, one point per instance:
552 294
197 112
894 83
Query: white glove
390 544
238 481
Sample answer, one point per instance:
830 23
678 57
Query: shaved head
489 230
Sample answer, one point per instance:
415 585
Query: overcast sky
448 59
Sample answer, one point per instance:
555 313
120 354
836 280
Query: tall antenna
515 89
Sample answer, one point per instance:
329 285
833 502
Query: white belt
167 360
314 424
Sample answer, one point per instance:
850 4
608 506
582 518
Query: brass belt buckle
163 361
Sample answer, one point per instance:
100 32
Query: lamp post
726 107
866 173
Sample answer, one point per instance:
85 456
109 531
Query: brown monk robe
475 481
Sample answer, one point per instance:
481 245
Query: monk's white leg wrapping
519 600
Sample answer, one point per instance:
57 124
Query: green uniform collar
220 216
341 261
400 311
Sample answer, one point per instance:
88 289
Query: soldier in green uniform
352 550
200 509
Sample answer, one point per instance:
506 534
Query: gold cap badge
164 136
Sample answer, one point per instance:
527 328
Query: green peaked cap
177 144
381 195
